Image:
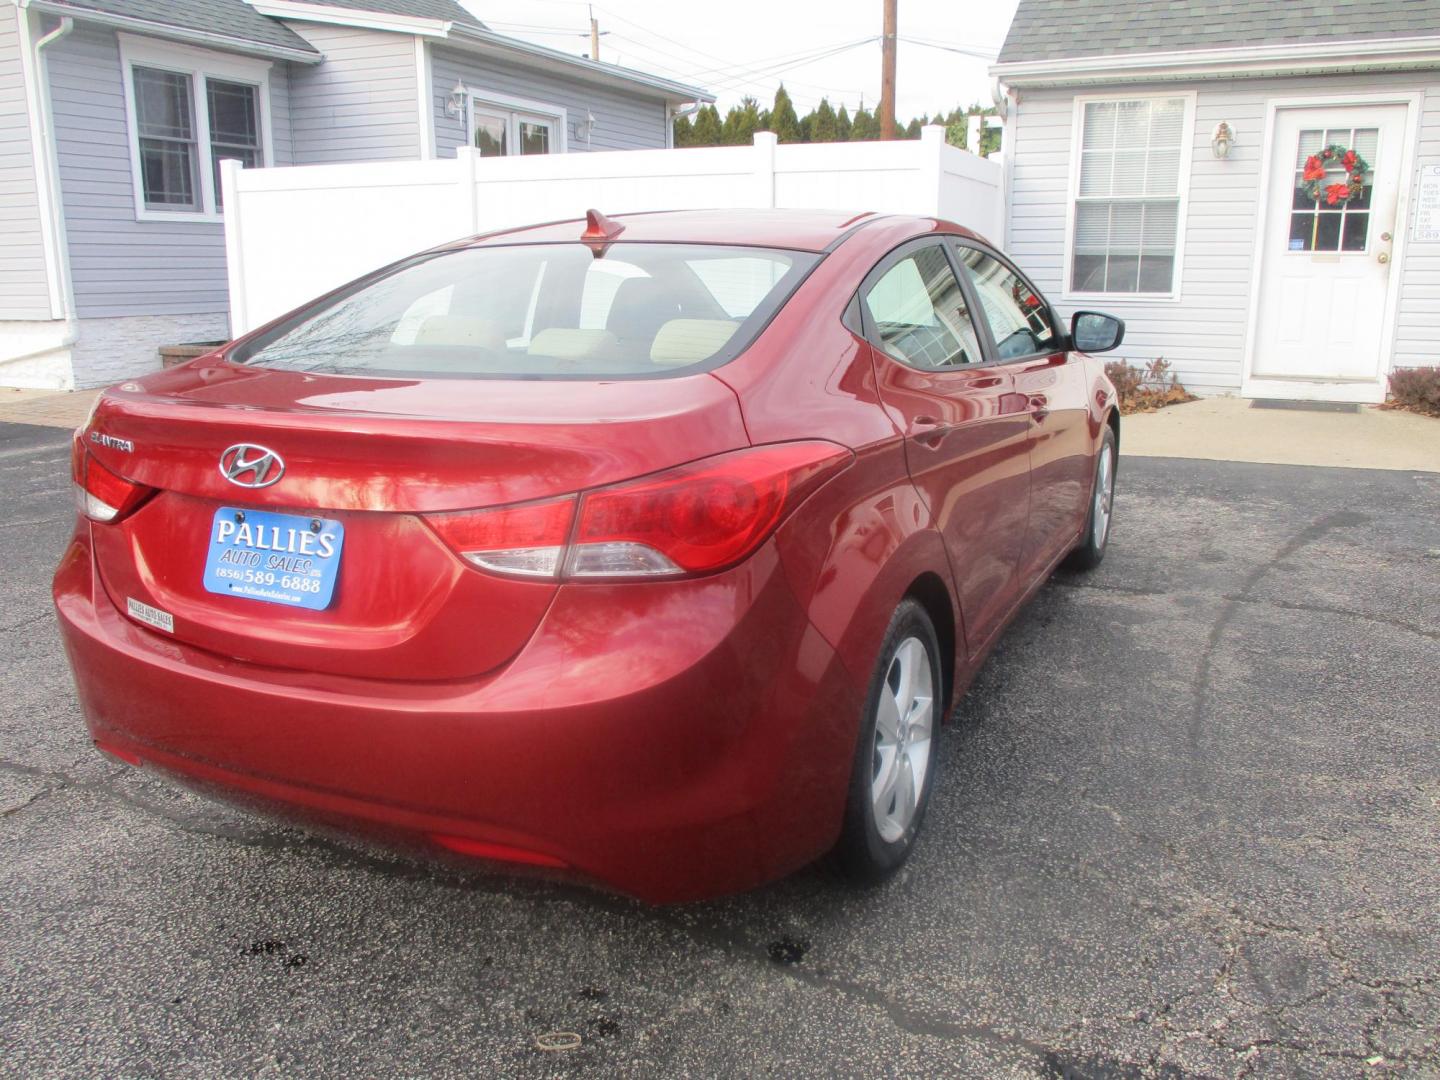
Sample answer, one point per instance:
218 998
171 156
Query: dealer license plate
285 559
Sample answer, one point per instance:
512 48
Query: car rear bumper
670 740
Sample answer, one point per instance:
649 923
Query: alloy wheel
1104 496
904 725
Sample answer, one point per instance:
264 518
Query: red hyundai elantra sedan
652 550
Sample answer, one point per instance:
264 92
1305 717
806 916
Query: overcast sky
743 47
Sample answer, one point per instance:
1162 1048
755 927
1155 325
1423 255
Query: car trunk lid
368 457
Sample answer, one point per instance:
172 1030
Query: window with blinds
1127 203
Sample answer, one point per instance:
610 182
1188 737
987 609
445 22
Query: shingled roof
237 20
445 10
232 19
1061 29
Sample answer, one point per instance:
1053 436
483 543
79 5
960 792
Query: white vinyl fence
294 233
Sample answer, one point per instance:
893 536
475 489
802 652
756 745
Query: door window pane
234 113
166 133
920 313
1128 210
1318 224
1018 317
491 134
534 137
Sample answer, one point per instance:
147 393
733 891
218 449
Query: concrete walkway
46 408
1233 429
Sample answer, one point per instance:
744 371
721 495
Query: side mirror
1093 331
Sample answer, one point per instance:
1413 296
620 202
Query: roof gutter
1369 54
176 33
487 40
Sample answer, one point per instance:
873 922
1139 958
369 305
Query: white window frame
1187 145
518 109
197 64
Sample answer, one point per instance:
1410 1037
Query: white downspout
671 115
46 164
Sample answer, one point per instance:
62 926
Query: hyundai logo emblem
251 466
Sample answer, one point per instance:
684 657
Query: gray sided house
114 113
1171 163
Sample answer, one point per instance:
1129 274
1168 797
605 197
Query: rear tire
1091 549
895 755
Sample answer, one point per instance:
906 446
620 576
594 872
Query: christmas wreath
1316 165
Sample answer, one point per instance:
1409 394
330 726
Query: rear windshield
542 311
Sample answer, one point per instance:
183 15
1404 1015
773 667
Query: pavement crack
25 623
1201 686
1325 609
43 793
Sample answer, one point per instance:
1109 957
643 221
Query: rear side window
543 311
1019 320
920 315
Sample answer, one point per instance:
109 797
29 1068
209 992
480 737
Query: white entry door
1325 263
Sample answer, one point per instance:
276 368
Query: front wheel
1091 549
895 756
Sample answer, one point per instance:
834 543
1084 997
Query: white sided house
1171 164
115 115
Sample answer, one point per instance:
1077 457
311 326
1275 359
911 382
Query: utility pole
887 74
594 35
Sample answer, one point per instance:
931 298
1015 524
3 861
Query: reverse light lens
527 539
100 494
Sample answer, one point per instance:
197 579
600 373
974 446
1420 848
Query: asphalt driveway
1188 823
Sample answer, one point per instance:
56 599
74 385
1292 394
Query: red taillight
692 519
526 539
698 517
100 494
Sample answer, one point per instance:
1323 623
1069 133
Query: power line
977 52
724 65
759 76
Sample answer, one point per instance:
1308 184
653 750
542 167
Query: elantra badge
251 466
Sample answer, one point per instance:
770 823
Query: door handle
1384 256
1039 407
929 431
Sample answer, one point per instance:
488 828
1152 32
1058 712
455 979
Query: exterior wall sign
1427 203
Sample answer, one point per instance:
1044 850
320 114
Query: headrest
459 330
686 341
560 343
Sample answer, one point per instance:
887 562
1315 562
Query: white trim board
1372 391
1072 193
425 98
1274 59
197 64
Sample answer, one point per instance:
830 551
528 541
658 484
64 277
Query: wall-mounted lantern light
455 103
1222 139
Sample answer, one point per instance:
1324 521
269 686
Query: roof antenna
600 232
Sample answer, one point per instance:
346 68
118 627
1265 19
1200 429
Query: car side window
1019 318
920 314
